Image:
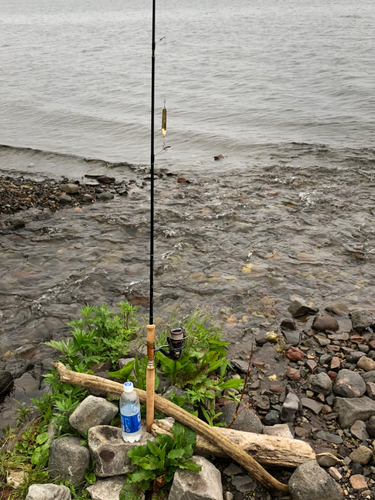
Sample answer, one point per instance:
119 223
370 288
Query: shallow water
241 245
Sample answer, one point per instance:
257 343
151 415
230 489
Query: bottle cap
128 387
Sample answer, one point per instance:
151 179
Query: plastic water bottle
130 414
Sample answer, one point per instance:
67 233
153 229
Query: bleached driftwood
210 433
272 451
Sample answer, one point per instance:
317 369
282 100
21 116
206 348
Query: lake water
240 78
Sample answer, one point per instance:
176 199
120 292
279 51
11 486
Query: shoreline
244 246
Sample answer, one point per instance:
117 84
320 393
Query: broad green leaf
40 455
164 441
190 465
141 475
42 438
138 451
124 372
174 454
232 384
151 463
155 450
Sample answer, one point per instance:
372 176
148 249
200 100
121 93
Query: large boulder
110 452
48 492
107 489
310 482
197 485
68 460
91 412
349 384
350 410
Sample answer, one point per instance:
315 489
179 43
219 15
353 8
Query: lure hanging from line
164 121
164 126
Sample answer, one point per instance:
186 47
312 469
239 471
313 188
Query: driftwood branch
271 451
172 410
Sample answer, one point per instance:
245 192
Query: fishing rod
150 374
176 341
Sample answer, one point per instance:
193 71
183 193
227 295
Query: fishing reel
176 343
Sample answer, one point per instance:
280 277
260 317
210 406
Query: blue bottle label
131 423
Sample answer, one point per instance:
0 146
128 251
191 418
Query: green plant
89 473
203 356
158 462
24 413
139 378
98 336
210 415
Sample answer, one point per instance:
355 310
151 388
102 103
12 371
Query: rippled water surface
75 76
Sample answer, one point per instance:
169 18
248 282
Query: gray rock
311 482
349 384
241 366
312 405
6 380
124 361
110 452
70 188
337 308
350 410
107 489
361 320
326 457
177 391
324 323
91 412
369 376
48 492
370 427
26 384
364 348
322 341
328 436
288 324
232 470
358 430
354 356
105 196
64 198
299 308
247 420
68 460
281 430
272 418
290 407
362 455
17 367
325 359
197 485
321 383
244 484
292 337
